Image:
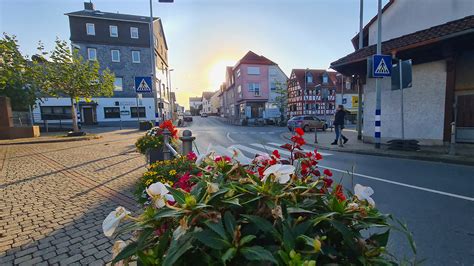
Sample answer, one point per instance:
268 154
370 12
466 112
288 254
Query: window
92 54
118 84
90 28
309 78
136 56
141 112
111 112
113 31
325 79
237 72
253 70
55 112
273 72
115 55
273 86
133 32
255 88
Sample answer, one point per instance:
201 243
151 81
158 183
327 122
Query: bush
225 209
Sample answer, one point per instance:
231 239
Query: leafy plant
271 211
154 137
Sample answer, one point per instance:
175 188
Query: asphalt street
435 199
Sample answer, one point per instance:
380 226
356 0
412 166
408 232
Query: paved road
435 199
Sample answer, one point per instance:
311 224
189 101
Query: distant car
203 115
307 123
188 118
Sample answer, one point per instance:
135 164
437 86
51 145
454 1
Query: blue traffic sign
143 84
382 66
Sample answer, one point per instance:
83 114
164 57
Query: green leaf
380 239
262 224
229 254
177 249
163 243
217 228
177 195
257 253
229 222
246 239
407 233
298 210
288 237
198 190
347 234
234 201
323 217
212 240
166 212
127 252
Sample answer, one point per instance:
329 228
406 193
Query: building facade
442 54
121 43
206 102
215 103
250 89
195 105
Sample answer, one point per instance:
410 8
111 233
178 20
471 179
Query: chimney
89 6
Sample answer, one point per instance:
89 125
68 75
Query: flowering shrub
224 209
154 137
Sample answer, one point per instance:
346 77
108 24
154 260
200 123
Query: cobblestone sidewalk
54 197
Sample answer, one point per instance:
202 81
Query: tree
68 74
282 99
15 75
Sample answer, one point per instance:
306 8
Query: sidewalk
437 153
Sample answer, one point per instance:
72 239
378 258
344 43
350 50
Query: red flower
226 159
191 156
299 131
261 170
184 183
327 182
318 155
339 193
327 172
298 140
287 146
276 154
169 125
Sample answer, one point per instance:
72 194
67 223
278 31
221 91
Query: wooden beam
449 97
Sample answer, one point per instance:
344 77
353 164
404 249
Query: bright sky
204 36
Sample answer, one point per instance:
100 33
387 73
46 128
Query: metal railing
187 144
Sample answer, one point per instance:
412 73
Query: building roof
317 77
111 16
195 99
254 59
420 38
207 94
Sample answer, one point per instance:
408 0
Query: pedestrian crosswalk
253 149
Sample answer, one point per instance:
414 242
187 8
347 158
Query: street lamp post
359 91
169 93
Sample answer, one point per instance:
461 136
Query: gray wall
125 68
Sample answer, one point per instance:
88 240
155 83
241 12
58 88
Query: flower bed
222 208
154 137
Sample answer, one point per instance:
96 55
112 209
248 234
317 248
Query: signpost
382 65
143 84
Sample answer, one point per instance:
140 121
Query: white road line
322 153
270 149
403 184
248 149
229 138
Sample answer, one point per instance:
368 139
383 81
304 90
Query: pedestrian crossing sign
143 84
382 66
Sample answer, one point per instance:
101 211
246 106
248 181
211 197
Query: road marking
322 153
270 149
229 138
248 149
403 184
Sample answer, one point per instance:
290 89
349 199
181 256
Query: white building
438 37
206 102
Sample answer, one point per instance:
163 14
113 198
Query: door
88 116
465 118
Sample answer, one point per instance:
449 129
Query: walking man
339 124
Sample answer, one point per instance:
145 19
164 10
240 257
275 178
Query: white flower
118 246
181 229
281 172
159 193
364 193
212 187
353 206
112 220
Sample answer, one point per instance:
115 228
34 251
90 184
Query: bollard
187 140
166 140
452 146
316 135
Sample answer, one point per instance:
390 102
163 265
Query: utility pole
153 74
359 91
378 90
400 62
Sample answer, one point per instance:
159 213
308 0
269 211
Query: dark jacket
339 119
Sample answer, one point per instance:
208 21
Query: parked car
307 123
188 118
203 115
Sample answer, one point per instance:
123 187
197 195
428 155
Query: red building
313 95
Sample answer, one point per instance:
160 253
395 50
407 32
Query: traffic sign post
382 66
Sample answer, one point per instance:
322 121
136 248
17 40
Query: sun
217 73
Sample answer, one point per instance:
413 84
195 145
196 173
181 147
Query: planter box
145 125
155 154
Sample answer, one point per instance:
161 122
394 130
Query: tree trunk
75 128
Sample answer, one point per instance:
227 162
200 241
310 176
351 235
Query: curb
393 155
65 139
